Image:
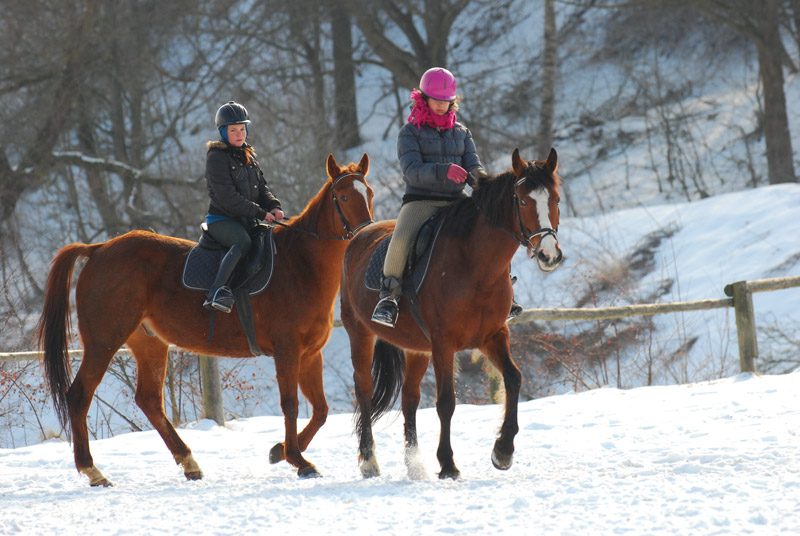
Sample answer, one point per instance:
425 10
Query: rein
350 233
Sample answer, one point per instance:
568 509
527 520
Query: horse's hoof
191 469
309 472
193 475
369 467
276 454
502 461
415 467
96 478
369 470
452 474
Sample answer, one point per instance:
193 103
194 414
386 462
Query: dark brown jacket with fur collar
236 185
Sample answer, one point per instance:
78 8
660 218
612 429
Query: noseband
525 234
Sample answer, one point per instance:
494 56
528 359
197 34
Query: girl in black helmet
239 197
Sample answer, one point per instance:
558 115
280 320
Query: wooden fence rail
740 298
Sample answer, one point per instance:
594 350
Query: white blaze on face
361 188
541 196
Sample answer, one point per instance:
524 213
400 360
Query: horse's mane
308 219
494 198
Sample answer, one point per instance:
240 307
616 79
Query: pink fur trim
421 114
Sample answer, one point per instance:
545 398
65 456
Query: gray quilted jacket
426 153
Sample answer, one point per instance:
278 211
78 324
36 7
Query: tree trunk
544 139
344 81
776 123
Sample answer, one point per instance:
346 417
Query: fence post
745 324
212 389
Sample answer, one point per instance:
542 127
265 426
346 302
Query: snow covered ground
720 457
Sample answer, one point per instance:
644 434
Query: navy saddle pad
419 258
252 274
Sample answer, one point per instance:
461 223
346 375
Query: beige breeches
412 216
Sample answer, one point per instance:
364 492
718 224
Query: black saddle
253 273
419 258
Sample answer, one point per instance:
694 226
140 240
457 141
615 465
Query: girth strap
245 311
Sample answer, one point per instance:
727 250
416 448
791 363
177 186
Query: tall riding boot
220 296
385 312
516 309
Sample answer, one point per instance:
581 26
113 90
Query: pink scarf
421 114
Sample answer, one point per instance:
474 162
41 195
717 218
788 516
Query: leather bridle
349 233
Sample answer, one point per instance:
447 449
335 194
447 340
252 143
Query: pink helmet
439 84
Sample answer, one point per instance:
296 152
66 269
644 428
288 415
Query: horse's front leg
445 406
312 388
499 353
287 370
416 366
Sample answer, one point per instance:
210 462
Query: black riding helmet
231 113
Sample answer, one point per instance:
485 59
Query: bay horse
464 302
129 292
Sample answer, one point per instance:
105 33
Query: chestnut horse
129 292
463 302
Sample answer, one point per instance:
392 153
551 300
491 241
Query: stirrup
222 300
385 312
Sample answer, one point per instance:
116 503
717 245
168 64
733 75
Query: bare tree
759 23
344 83
544 140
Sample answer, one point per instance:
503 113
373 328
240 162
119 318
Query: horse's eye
522 202
344 198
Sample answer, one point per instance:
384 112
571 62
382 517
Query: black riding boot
385 312
516 309
219 296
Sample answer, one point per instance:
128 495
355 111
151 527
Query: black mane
494 197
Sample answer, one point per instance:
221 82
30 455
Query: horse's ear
516 163
364 164
552 160
333 167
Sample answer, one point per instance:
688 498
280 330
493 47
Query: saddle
419 259
251 277
253 273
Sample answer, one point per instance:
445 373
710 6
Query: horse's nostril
544 257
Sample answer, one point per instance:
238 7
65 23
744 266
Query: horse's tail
388 372
54 327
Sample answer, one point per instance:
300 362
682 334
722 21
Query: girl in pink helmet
436 153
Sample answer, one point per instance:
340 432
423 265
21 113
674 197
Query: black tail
388 372
54 327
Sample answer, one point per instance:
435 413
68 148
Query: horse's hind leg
151 355
416 366
498 351
361 348
79 398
